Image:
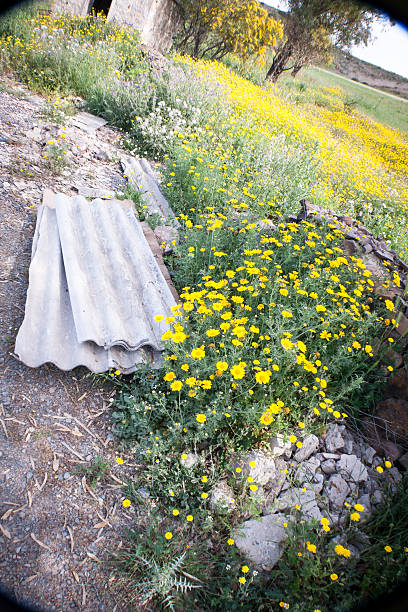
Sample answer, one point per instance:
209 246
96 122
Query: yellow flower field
363 166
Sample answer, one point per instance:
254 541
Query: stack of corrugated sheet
140 174
94 289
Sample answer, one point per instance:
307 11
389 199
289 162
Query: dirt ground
56 530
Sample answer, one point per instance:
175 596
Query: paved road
379 91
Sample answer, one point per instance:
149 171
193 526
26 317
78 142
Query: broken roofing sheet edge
140 174
94 289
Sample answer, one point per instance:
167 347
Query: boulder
351 468
307 469
394 414
222 496
317 483
365 501
310 445
402 324
393 475
279 447
368 453
377 497
348 443
334 456
336 490
391 451
303 497
278 480
261 541
403 460
328 466
397 385
334 439
263 469
377 430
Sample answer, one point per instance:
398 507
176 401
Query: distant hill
358 70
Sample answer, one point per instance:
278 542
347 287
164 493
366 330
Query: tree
213 28
313 27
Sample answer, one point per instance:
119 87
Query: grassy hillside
384 109
373 103
364 72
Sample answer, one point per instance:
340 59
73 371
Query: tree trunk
295 70
197 42
279 63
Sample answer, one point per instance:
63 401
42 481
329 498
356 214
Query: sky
389 48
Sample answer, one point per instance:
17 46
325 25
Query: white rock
264 469
285 486
261 541
348 446
328 466
222 496
318 483
336 490
310 445
278 446
278 480
307 470
334 456
334 440
190 460
377 497
306 499
352 468
368 454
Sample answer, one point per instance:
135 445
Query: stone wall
156 20
73 7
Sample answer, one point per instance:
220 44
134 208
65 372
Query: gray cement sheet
94 289
88 122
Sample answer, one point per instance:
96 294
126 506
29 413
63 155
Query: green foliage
55 159
232 188
213 29
52 53
373 103
157 570
95 472
56 111
311 27
388 525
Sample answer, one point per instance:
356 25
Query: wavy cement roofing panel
93 299
141 175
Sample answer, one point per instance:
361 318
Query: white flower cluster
158 129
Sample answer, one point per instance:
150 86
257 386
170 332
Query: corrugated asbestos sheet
94 289
87 122
140 174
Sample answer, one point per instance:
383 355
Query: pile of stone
324 478
378 258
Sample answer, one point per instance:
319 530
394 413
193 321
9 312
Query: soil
56 530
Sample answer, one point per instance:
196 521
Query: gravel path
56 531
